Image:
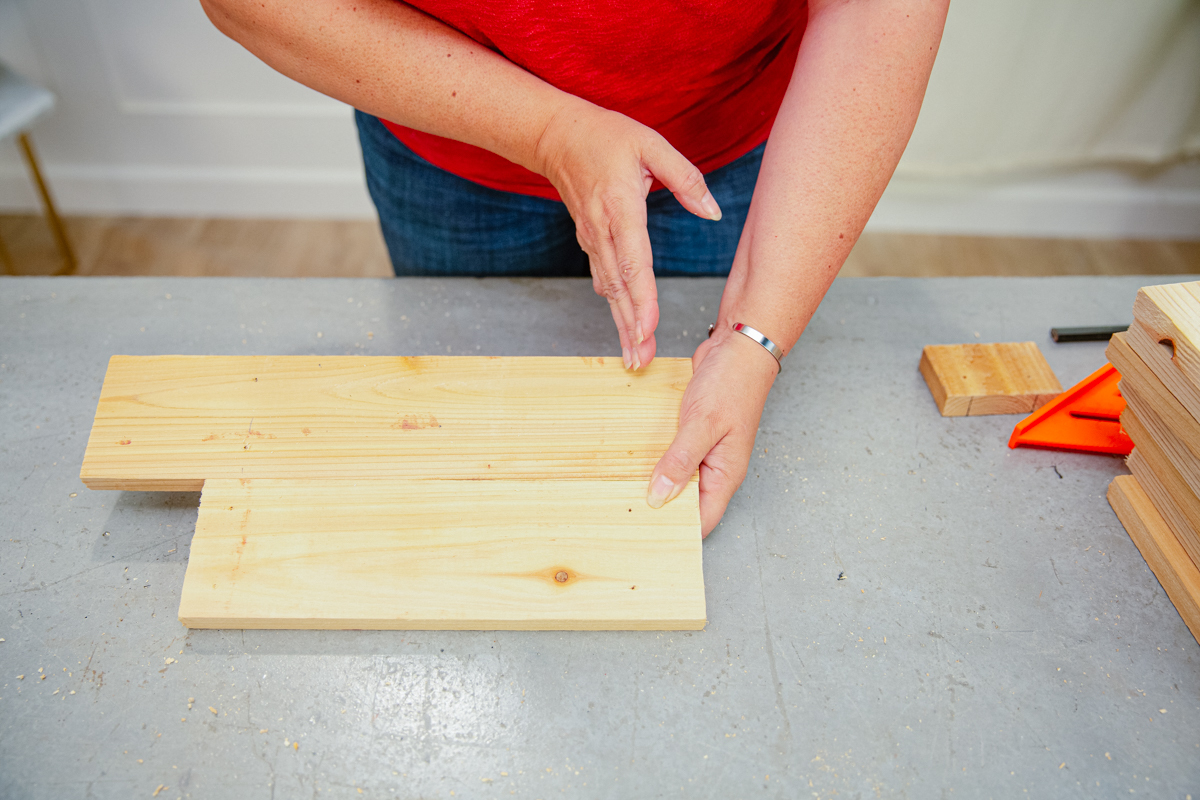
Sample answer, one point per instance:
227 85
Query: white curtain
1023 85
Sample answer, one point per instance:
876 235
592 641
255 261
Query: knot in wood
561 576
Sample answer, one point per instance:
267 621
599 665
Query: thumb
684 180
677 466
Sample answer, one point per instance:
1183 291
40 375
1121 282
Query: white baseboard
1094 204
194 192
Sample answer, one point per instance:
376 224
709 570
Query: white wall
160 114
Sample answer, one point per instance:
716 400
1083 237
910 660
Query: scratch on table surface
770 646
633 728
84 571
1055 568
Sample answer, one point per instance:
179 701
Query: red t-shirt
708 76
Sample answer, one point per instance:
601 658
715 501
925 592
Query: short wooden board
168 423
408 554
969 380
1162 551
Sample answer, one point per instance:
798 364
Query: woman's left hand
718 420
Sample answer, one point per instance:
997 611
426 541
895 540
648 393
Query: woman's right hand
603 164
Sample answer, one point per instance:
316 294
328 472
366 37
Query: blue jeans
438 224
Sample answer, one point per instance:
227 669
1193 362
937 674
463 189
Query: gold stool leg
6 259
52 218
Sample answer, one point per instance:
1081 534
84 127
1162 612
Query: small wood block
971 380
1162 551
407 554
1166 334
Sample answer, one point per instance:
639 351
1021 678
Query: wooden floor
313 248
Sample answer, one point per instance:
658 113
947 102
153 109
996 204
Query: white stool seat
21 102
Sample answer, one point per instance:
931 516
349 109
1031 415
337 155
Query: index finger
635 266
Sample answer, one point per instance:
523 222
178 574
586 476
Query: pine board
1162 551
1175 502
1148 423
445 554
980 379
1139 379
1166 334
168 423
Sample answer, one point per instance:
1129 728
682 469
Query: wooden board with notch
1166 334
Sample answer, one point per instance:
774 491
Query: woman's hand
603 164
718 420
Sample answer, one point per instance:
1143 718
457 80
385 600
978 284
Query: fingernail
625 356
641 337
660 491
709 204
637 361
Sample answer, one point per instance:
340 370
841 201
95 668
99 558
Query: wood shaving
210 708
161 786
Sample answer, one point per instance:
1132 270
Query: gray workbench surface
996 632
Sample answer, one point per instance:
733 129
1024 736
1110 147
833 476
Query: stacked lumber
1159 504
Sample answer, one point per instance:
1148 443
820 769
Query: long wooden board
416 554
1166 334
171 422
1162 551
970 380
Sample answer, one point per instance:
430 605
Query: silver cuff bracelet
757 336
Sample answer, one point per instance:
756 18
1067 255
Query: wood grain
1145 419
352 248
1166 335
1139 379
171 422
1162 551
921 256
416 554
1162 484
981 379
